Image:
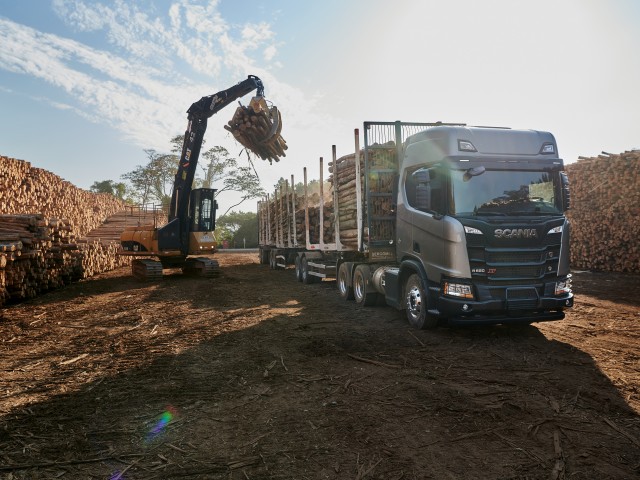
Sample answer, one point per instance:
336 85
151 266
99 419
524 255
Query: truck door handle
416 247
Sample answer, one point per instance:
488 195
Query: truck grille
501 266
513 257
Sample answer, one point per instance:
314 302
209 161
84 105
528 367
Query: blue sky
87 85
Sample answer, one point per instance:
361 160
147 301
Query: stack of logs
42 218
314 224
258 128
605 212
26 189
382 161
344 171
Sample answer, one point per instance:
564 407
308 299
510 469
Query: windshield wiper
529 212
488 214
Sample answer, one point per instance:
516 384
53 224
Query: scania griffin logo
516 233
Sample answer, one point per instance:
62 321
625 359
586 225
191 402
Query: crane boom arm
198 114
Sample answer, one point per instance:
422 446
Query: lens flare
159 426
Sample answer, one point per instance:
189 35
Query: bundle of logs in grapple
257 127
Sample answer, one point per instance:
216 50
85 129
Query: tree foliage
153 181
240 229
118 190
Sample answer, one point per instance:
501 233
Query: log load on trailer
448 222
192 212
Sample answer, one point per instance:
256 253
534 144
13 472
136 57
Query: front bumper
542 309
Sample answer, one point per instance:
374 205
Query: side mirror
566 195
472 172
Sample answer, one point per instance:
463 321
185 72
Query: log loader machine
192 211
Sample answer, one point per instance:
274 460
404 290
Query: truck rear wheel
363 291
297 262
417 304
306 278
345 287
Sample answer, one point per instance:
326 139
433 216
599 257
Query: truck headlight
563 287
460 290
471 230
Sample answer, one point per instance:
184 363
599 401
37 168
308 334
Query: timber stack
343 184
605 212
343 179
42 220
258 128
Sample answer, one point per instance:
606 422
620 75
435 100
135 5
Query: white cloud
270 52
161 63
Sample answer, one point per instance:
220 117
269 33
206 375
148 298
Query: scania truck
452 223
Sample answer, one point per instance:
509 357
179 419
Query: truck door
424 196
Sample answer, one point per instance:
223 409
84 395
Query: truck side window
410 185
437 193
436 187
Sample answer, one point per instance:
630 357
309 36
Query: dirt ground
255 376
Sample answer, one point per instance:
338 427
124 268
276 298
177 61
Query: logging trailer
192 211
443 221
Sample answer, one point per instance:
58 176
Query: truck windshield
505 192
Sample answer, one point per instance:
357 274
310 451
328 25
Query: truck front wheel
417 304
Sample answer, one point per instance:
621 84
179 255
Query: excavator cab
202 221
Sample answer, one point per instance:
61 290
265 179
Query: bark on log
605 212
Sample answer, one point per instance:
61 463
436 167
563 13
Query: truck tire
345 287
417 304
306 278
298 263
363 291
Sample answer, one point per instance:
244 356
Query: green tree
153 182
222 172
118 190
239 228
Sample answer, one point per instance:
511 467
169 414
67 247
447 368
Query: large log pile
26 189
605 213
42 220
38 254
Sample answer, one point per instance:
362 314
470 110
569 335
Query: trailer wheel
345 287
306 278
363 290
297 262
417 304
